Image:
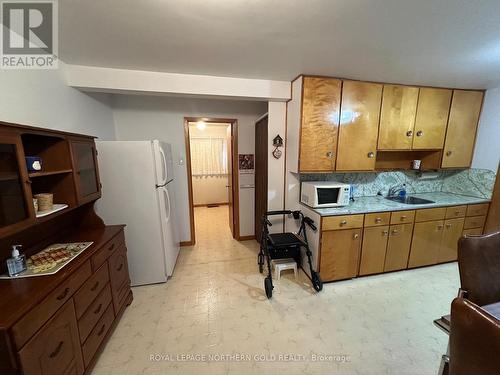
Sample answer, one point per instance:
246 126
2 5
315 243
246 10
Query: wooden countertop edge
37 288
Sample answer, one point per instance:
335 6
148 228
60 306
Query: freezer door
163 162
170 242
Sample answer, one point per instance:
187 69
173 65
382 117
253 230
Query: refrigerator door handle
164 159
167 200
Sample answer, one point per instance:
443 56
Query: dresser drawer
89 348
90 290
474 222
377 219
55 349
430 214
402 217
477 209
109 248
456 212
342 222
94 312
33 320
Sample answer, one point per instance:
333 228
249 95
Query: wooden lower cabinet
398 247
452 232
373 250
426 243
55 349
340 252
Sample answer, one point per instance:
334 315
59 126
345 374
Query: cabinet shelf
6 176
56 208
49 173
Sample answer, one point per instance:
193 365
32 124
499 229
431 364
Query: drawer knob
111 247
440 227
63 295
448 225
101 331
378 220
98 310
57 350
355 236
94 288
343 222
394 232
371 155
448 153
420 133
403 217
385 233
409 133
120 267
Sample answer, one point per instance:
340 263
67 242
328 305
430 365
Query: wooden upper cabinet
320 123
397 117
432 117
87 183
359 119
462 126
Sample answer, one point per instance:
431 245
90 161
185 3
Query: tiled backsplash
473 182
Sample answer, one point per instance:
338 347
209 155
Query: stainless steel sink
409 200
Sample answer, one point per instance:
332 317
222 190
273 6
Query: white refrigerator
138 190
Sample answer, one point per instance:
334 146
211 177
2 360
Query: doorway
211 159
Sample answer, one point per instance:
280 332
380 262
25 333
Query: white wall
209 189
42 98
487 151
148 117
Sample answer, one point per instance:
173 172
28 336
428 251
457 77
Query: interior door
358 132
229 186
261 171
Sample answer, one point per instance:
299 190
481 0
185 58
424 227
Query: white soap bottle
17 263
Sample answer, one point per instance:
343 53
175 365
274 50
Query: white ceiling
454 43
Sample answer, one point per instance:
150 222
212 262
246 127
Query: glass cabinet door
13 205
87 180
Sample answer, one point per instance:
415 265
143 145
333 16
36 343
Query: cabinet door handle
329 154
57 350
385 233
420 133
356 236
120 267
371 155
409 133
98 310
63 295
94 288
448 153
101 331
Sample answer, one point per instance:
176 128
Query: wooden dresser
57 324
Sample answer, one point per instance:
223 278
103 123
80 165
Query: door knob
409 133
371 155
420 133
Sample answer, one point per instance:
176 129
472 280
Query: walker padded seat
285 240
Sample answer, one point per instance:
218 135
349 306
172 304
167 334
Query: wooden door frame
233 123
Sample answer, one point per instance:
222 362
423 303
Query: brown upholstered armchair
474 340
479 266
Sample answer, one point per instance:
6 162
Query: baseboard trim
186 243
246 238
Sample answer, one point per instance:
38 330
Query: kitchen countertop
363 205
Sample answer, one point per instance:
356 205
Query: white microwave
325 194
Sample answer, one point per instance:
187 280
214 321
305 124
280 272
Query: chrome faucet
396 189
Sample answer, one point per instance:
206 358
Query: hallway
215 305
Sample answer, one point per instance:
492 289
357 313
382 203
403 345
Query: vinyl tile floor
212 317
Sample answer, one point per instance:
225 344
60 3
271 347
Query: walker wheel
268 286
317 283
